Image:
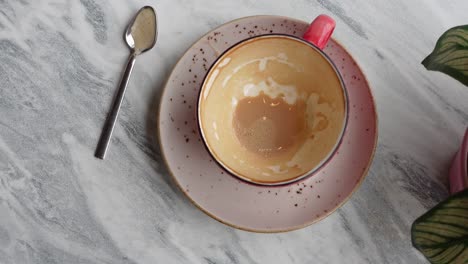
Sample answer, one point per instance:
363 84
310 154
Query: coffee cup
273 109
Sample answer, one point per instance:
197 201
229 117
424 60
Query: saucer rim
253 230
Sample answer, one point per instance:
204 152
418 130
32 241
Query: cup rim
301 176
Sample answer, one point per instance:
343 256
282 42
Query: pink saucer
246 206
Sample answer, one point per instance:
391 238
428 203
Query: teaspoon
140 36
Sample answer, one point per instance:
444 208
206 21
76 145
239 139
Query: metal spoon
140 36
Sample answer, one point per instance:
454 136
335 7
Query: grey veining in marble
59 66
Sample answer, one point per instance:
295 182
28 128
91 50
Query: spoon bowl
145 18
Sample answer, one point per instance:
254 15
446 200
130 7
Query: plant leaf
450 54
442 233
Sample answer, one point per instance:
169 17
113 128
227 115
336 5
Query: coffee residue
268 126
278 106
144 30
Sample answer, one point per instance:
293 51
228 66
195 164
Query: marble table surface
60 62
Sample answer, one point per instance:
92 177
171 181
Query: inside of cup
272 109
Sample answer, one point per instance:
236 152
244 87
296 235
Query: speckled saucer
239 204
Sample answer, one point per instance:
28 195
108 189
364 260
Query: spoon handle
106 133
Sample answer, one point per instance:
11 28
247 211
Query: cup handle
320 31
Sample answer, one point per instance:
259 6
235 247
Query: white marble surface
59 66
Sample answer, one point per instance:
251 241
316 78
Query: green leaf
450 54
442 233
